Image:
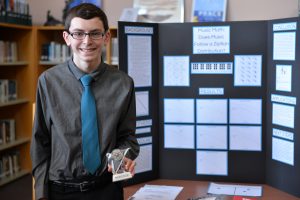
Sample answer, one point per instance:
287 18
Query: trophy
116 160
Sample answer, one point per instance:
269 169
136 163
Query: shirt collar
78 73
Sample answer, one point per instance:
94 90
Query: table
199 188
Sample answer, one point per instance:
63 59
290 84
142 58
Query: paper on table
156 192
243 190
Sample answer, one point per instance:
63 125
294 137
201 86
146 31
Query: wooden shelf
15 26
13 177
20 110
14 102
18 63
15 143
60 27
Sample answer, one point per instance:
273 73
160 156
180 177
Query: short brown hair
86 11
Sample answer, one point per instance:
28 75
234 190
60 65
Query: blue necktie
90 137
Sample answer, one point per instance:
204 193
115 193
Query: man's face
86 49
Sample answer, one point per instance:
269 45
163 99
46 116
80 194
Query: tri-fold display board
216 101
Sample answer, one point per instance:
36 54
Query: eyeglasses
93 35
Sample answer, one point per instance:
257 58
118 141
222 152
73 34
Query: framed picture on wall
157 11
73 3
209 10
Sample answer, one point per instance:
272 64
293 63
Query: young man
58 146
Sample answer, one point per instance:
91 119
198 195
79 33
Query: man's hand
129 166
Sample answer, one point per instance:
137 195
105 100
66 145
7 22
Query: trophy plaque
116 160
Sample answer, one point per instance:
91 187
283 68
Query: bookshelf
109 48
19 109
45 35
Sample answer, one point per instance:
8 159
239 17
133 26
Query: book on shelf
7 131
16 161
8 90
4 166
9 164
8 51
2 10
2 51
15 11
104 55
114 51
55 52
12 90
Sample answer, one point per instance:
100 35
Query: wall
237 10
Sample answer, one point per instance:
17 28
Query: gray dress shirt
56 148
